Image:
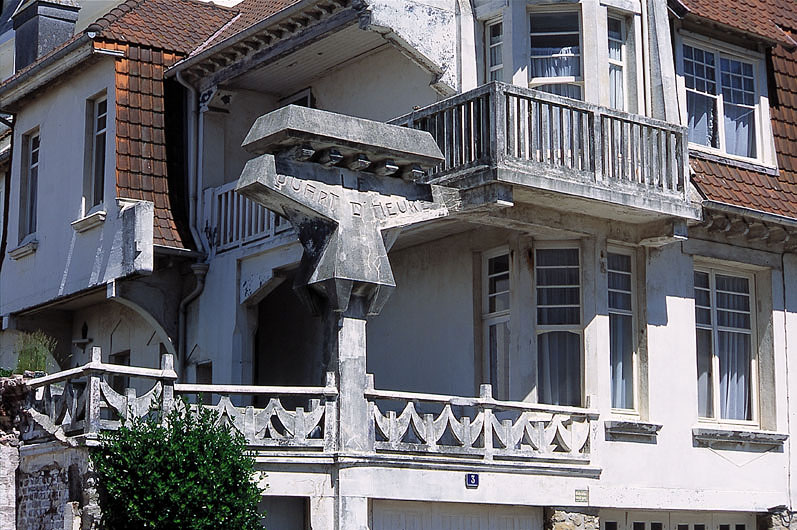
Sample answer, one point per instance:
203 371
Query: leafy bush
5 373
178 472
34 351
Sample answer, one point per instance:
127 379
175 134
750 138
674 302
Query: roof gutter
751 213
46 70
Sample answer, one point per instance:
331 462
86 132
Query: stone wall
55 488
572 518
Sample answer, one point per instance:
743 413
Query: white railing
481 428
233 221
80 401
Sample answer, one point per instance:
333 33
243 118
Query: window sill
90 221
710 436
25 249
631 430
715 155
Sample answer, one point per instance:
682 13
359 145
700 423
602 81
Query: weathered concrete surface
294 125
346 219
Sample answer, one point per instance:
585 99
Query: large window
97 126
726 364
721 99
621 330
556 53
29 184
557 274
495 317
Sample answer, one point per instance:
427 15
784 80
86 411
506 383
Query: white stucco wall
66 261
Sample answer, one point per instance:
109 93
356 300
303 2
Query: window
495 45
621 330
557 274
721 100
495 316
95 167
556 53
616 41
29 184
726 369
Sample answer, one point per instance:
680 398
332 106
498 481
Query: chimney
40 26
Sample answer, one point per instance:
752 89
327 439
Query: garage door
390 515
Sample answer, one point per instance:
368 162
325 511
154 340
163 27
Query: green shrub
5 373
184 473
34 351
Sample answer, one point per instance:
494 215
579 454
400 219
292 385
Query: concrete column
9 462
322 513
349 361
571 518
516 48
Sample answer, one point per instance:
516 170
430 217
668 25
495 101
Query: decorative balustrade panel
276 426
477 427
499 124
57 406
236 221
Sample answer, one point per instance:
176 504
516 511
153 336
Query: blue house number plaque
472 480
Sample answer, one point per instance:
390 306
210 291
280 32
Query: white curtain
702 111
733 351
559 368
616 96
739 130
556 62
621 350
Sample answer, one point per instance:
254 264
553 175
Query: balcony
542 143
74 405
233 221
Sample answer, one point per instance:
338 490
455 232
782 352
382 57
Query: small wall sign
582 496
471 480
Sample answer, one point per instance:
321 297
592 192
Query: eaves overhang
750 213
227 55
47 70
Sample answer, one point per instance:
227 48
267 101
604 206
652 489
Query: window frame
636 346
29 191
500 384
578 329
536 82
712 269
764 144
488 68
94 182
622 64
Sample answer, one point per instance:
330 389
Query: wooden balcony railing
504 126
233 220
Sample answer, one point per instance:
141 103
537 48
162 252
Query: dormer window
723 91
556 53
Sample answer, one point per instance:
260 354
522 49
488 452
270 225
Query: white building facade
596 336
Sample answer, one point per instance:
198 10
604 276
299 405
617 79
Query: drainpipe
194 126
199 270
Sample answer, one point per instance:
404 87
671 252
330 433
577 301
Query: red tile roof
757 17
174 25
753 189
250 13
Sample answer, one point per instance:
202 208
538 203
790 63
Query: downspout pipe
200 270
193 162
